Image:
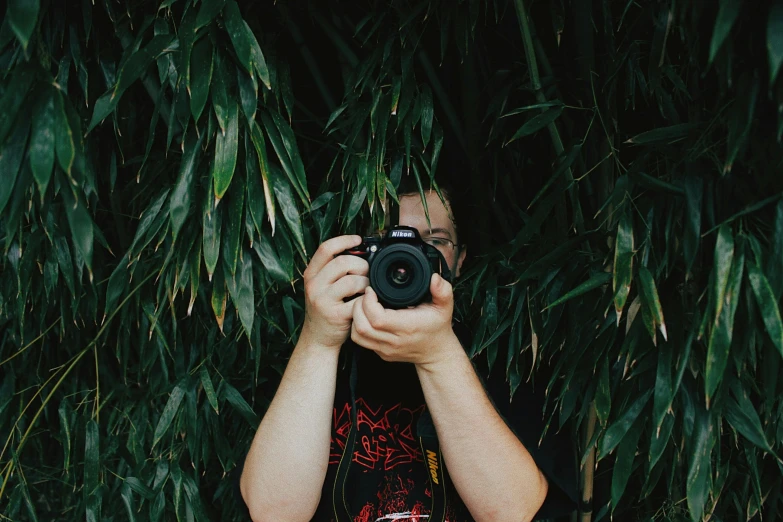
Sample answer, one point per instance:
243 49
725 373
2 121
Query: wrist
447 350
312 341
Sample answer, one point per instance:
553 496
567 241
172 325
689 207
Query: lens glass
399 273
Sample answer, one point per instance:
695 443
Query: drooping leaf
619 428
180 201
201 63
81 226
209 389
536 123
596 280
245 43
22 16
239 404
767 304
699 464
623 263
42 140
212 224
219 297
226 145
233 224
727 15
650 299
11 155
775 39
603 396
169 412
240 286
208 11
260 145
724 253
623 464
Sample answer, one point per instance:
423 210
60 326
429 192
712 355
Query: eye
438 242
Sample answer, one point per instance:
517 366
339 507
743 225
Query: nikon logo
432 461
402 233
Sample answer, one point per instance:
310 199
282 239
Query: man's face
440 232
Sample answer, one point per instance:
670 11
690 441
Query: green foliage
169 166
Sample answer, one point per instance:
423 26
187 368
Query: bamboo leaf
180 202
722 332
269 258
767 304
664 134
774 268
699 466
22 16
743 417
623 464
427 115
536 123
219 297
239 403
245 43
260 145
209 390
603 397
208 11
619 428
623 264
11 155
240 287
169 412
201 62
649 294
692 228
543 105
775 39
248 93
64 142
233 230
42 141
724 253
91 470
81 226
727 15
212 223
226 145
596 280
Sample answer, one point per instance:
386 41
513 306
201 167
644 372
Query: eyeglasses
440 242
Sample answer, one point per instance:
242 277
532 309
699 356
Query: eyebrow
438 231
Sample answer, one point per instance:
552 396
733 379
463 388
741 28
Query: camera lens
399 273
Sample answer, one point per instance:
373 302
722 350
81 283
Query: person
344 437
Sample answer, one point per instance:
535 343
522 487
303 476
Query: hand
420 335
328 281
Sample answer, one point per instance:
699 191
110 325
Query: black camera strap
430 449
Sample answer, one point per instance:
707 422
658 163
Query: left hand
420 335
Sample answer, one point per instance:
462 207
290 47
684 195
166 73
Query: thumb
442 293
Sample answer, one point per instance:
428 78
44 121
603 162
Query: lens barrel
400 274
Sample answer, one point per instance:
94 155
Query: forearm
492 471
286 465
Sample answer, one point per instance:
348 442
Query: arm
286 466
492 471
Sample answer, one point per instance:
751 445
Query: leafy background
168 166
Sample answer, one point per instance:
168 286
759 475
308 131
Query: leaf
220 101
623 263
169 412
603 397
248 93
536 123
284 144
219 297
427 115
692 229
743 417
208 11
544 105
269 258
212 222
21 17
615 433
727 15
697 487
660 438
81 226
722 332
245 43
12 100
91 461
724 253
132 69
663 134
209 390
767 304
623 464
179 204
201 62
650 299
226 145
240 286
775 39
596 280
42 140
291 214
663 392
118 283
259 144
11 155
65 414
239 403
233 230
64 141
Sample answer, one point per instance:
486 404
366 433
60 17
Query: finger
329 249
441 291
347 286
376 314
362 330
341 266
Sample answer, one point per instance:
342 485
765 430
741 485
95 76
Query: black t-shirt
389 473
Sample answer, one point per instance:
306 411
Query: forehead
412 213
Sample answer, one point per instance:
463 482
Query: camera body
401 266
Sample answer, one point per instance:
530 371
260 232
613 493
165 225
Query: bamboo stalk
535 80
588 470
440 93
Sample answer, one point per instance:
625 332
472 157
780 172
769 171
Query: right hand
329 279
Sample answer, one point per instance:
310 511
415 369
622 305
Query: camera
401 266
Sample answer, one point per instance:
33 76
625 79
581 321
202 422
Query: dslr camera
401 266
